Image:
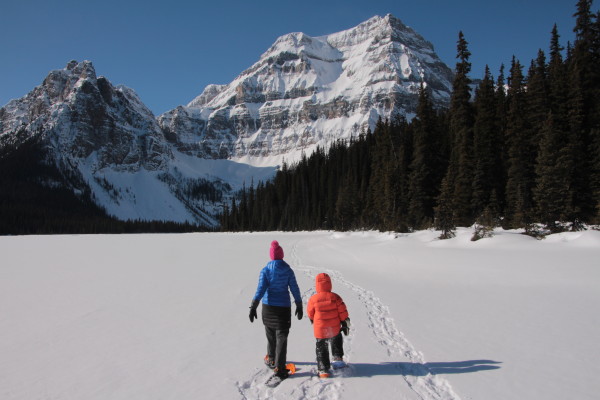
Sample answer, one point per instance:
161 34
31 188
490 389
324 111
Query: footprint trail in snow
419 378
306 385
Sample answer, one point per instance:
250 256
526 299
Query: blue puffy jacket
275 279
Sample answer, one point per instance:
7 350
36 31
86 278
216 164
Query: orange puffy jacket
326 309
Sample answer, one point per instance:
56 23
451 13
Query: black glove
253 307
299 311
346 326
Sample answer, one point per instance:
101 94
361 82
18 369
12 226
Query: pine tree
594 140
487 145
520 153
444 214
557 81
402 136
347 205
460 169
426 166
382 189
583 121
537 95
553 169
553 193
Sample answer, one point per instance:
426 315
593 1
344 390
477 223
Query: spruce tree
537 95
347 205
554 170
382 193
583 120
487 145
557 81
520 173
553 193
594 140
461 168
426 166
444 214
402 136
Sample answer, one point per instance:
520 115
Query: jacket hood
323 283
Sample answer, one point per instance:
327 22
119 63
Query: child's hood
323 283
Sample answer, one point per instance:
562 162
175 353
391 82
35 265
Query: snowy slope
107 140
165 316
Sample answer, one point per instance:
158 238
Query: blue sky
168 51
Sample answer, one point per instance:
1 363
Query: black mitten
299 313
345 326
253 307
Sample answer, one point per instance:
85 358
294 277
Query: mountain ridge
303 92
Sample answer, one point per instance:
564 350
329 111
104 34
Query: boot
283 373
269 362
323 373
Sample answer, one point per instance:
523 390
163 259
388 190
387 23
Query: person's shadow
365 370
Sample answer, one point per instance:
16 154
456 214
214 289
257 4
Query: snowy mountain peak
299 43
209 93
84 118
376 29
302 92
307 91
84 69
103 140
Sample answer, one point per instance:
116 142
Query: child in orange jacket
329 316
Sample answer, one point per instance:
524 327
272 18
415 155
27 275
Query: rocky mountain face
308 91
84 117
105 141
303 92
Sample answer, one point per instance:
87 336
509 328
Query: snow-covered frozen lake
166 316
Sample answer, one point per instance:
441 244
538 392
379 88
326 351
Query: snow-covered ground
166 316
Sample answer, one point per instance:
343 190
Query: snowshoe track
415 373
420 379
307 384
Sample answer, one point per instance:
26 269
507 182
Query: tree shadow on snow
418 369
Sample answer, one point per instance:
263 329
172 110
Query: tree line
36 197
521 150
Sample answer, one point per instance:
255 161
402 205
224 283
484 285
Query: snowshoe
269 362
274 380
338 363
277 378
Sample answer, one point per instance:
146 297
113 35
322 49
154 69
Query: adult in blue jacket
276 280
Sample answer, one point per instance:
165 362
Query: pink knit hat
276 252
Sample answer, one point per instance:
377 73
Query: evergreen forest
37 198
519 150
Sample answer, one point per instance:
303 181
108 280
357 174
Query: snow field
166 316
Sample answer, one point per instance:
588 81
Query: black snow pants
337 350
277 321
277 346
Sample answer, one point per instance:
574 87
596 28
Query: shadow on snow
414 369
